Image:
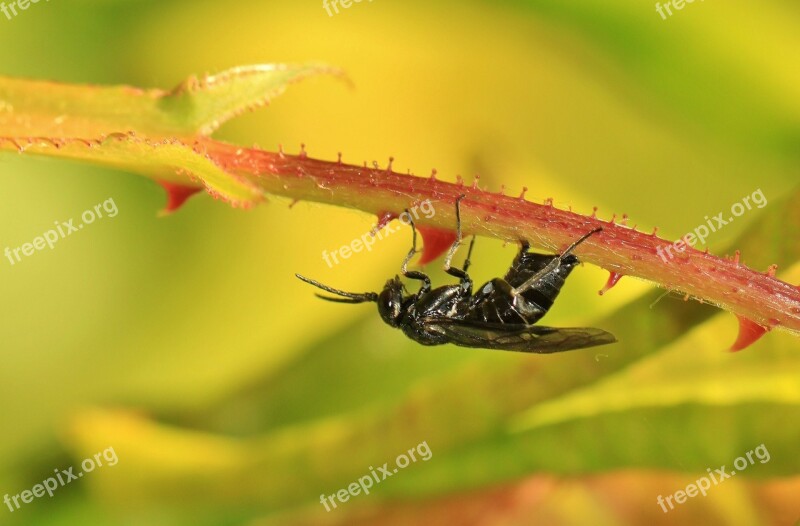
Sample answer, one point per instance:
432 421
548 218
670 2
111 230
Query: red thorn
176 195
384 218
435 242
749 333
736 258
613 217
613 278
594 212
522 193
624 221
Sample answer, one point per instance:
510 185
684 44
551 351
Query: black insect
500 315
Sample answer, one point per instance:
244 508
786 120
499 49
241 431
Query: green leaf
501 416
32 108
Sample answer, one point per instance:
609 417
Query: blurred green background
232 396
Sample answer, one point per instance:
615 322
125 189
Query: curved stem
757 296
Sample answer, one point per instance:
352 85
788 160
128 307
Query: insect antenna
583 238
348 297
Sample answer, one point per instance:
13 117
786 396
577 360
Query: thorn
303 153
655 231
294 202
549 202
613 279
459 180
624 221
502 190
375 165
522 193
736 258
749 333
433 174
435 242
771 270
338 157
475 181
280 150
613 217
389 167
594 212
177 195
384 218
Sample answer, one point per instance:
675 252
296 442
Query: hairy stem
757 296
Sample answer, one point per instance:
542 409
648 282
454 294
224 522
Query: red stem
753 295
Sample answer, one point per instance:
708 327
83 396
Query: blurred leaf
501 416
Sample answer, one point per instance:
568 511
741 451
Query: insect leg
468 262
554 264
414 274
458 273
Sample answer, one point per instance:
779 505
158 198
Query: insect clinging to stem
500 315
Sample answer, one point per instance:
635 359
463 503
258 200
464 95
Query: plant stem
756 296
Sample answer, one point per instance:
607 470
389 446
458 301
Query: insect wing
518 337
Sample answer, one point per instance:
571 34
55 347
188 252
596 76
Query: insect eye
389 303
